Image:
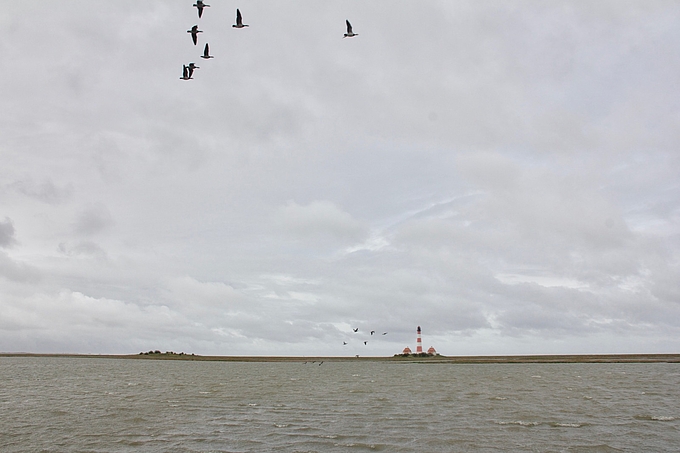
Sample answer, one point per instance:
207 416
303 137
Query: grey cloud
47 191
17 271
7 233
87 248
94 219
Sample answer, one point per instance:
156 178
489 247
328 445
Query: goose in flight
206 52
239 20
200 5
349 33
356 330
191 69
186 74
372 332
194 33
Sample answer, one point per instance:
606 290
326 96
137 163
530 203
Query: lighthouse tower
419 344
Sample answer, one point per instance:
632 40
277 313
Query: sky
505 174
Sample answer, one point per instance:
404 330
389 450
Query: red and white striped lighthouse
419 344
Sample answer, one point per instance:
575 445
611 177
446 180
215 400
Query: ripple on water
566 425
518 423
655 418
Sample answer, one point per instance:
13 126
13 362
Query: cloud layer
502 174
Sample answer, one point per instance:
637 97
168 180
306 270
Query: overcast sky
505 174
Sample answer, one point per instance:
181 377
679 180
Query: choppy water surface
111 405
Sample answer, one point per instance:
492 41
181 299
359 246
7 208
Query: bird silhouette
239 20
194 33
384 333
349 33
206 52
344 342
372 332
200 5
356 330
365 342
320 363
186 74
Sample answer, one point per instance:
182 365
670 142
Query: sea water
52 404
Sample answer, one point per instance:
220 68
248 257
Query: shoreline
553 358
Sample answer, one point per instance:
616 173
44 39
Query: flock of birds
188 70
345 343
355 330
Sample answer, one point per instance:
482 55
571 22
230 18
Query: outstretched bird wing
194 33
239 19
206 51
349 27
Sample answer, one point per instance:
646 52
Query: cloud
320 219
47 191
7 233
71 320
17 271
94 219
86 248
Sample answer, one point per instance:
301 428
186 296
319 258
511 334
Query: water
116 405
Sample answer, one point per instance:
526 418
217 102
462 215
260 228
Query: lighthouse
419 343
419 349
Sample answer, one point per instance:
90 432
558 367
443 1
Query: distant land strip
569 358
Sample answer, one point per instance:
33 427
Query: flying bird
194 33
344 342
239 20
186 74
349 33
384 333
200 5
372 332
206 52
365 342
